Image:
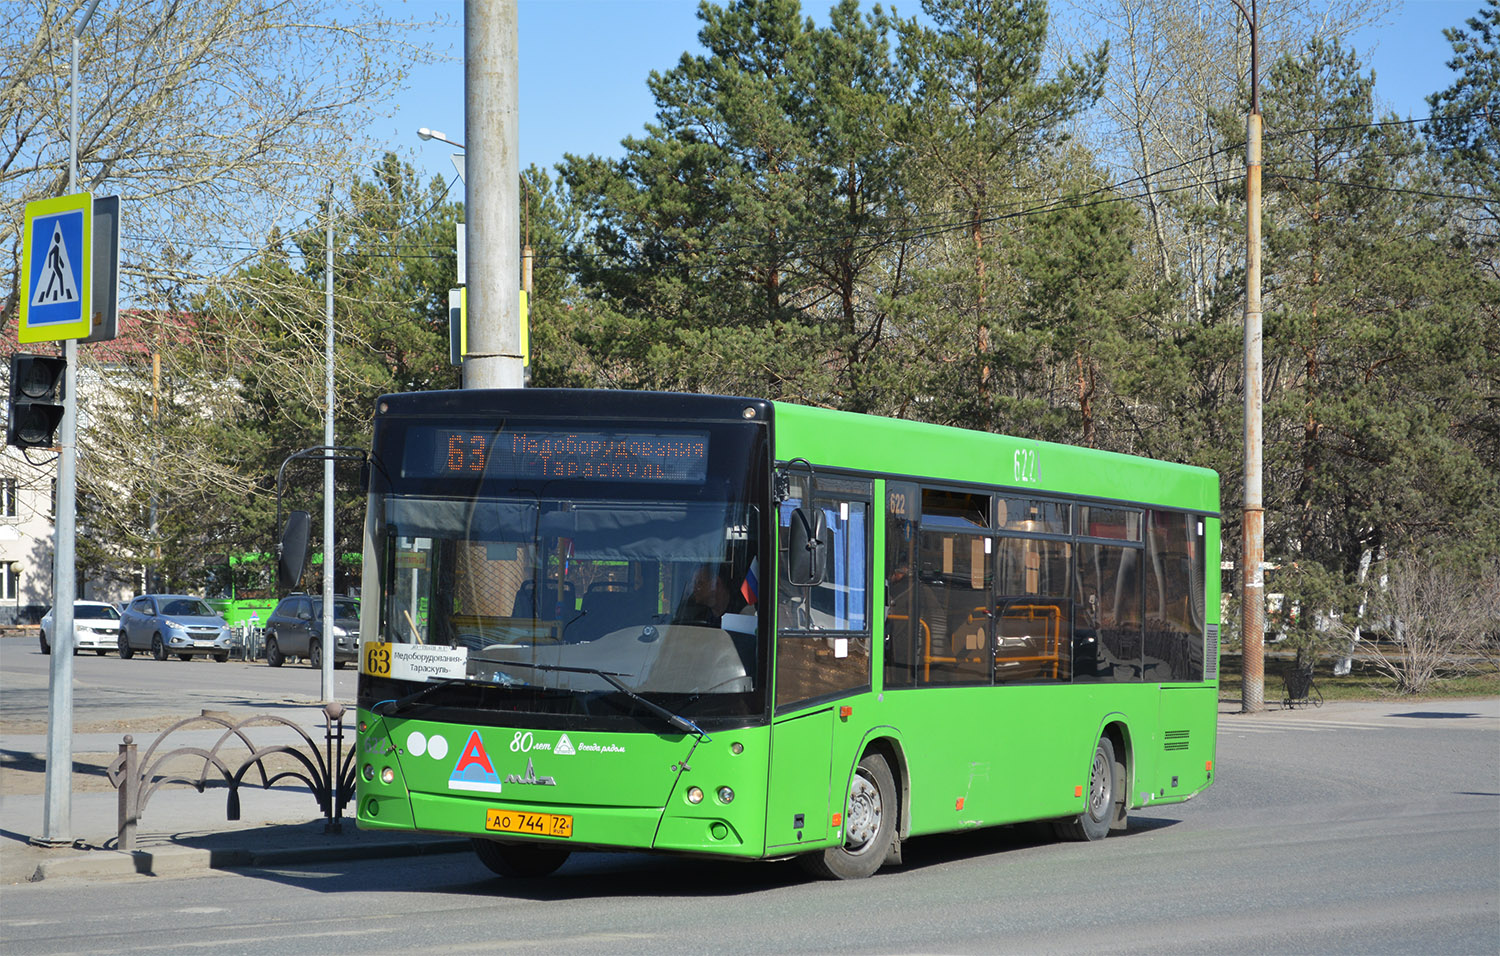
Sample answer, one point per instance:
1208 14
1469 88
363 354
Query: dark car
167 624
295 629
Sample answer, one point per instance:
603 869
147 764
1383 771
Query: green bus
239 587
729 626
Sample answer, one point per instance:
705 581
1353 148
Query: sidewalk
184 832
180 831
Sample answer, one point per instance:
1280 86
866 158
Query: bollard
333 735
130 790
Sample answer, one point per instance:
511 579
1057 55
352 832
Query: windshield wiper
680 723
392 707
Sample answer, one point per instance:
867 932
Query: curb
181 861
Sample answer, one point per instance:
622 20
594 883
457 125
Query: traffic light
36 400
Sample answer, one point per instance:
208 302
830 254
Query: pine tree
732 249
980 121
1374 351
1465 124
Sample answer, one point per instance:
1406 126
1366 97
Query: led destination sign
579 455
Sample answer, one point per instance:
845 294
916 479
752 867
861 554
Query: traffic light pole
57 825
57 810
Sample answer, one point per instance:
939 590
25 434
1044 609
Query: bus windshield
583 592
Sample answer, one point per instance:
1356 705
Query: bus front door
798 805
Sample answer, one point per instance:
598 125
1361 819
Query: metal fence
326 768
249 642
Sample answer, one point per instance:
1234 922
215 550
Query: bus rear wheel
520 860
1104 802
869 825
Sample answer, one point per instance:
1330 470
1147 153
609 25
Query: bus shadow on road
598 874
586 875
591 875
946 848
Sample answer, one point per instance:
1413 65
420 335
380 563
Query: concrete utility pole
492 136
1252 550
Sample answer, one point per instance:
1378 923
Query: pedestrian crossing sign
56 269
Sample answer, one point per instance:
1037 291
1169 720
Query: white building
28 493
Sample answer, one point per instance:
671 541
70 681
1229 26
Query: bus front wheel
869 825
520 860
1105 780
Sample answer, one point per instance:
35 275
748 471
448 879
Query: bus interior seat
526 606
608 606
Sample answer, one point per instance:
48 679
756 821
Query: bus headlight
368 770
726 795
387 775
695 795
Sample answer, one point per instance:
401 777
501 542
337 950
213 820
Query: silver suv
295 629
167 624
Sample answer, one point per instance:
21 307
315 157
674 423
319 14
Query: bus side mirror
807 548
291 554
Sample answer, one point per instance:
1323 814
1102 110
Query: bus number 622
1025 462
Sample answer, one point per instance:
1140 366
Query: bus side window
953 601
901 622
1174 597
1107 643
823 630
1034 611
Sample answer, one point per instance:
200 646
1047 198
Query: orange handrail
1052 635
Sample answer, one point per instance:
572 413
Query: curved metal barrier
326 770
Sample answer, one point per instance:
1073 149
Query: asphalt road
1364 828
111 694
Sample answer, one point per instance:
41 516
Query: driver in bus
708 599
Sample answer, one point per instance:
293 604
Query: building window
10 582
8 497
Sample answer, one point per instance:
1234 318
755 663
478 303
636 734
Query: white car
96 627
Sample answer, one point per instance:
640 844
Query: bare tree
215 122
1173 66
1444 619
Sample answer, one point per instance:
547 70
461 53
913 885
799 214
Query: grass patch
1364 681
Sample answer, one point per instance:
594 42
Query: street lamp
457 158
426 133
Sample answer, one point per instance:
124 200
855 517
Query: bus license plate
538 824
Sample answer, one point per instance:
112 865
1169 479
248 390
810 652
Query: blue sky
584 65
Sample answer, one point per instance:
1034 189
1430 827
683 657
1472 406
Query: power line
1377 124
1371 187
1158 182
